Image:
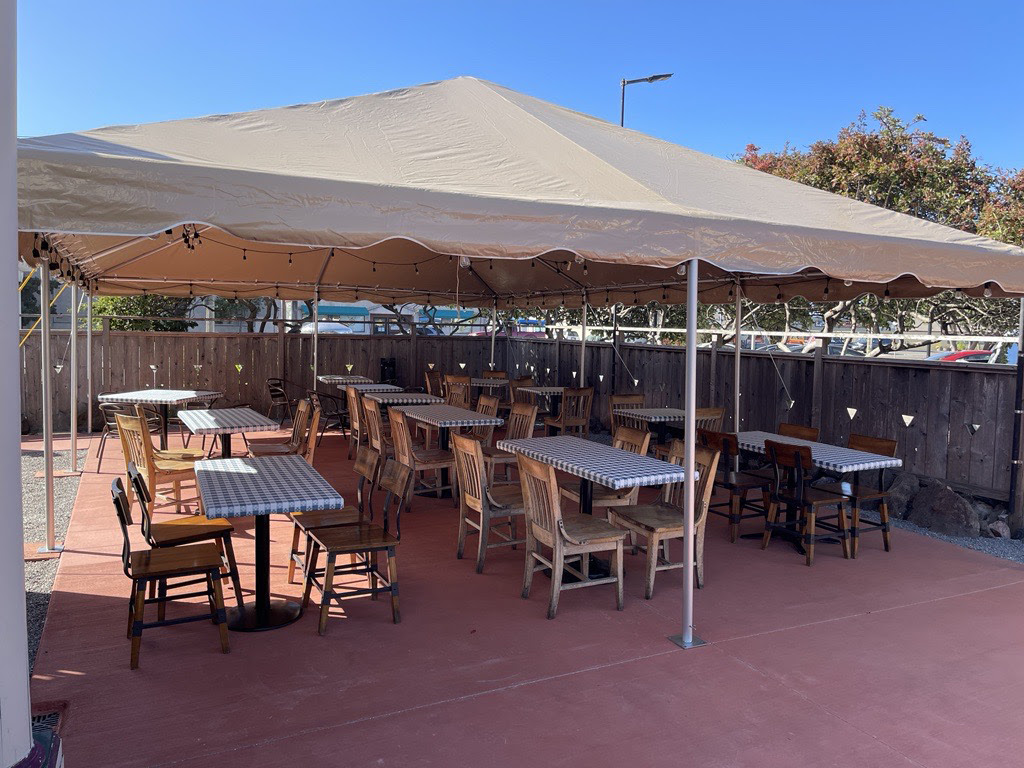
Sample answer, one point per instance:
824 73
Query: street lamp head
655 78
648 79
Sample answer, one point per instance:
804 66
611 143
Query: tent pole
583 343
47 384
88 362
73 365
494 330
687 639
316 334
1016 520
737 345
15 708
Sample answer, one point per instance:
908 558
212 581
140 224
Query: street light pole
625 82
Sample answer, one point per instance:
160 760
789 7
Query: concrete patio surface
908 658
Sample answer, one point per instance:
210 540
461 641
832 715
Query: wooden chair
279 400
137 447
523 397
799 431
663 520
858 493
626 439
332 412
504 393
483 510
791 465
309 449
570 538
295 444
574 416
356 428
421 460
706 418
434 382
194 564
458 391
486 405
184 433
522 420
737 484
367 468
186 530
364 540
619 401
109 412
376 436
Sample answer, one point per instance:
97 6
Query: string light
778 296
988 291
885 296
490 263
289 259
243 254
584 267
374 266
825 294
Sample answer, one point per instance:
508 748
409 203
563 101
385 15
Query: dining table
446 418
404 398
225 422
661 421
365 388
163 399
344 378
258 488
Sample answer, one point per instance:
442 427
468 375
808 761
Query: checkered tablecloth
448 416
160 396
226 421
404 398
365 388
344 378
600 463
489 383
542 390
652 415
266 486
831 457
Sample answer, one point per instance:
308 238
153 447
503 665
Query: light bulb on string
987 293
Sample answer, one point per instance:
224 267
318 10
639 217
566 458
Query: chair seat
183 530
174 466
653 518
496 454
571 489
324 518
180 454
851 491
271 449
175 561
557 421
353 538
430 457
507 497
742 481
588 529
815 497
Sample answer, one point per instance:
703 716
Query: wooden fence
951 421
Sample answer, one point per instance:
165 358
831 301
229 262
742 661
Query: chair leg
809 529
131 608
698 554
557 567
325 597
229 555
773 513
396 615
463 526
652 565
844 533
371 562
855 529
219 618
485 534
292 554
138 615
161 593
883 514
617 571
735 504
312 553
531 547
99 454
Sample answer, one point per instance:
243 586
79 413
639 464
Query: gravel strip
39 574
1007 549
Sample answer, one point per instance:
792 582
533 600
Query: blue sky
766 72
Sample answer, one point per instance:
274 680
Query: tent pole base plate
696 642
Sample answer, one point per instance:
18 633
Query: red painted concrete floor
913 658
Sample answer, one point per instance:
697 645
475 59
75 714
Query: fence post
712 400
281 354
105 354
816 386
1016 520
414 351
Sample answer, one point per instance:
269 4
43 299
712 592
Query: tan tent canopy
377 197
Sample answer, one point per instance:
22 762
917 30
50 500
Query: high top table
404 398
164 398
365 388
260 488
834 458
659 420
344 378
446 418
226 422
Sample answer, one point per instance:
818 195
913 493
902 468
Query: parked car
963 356
325 326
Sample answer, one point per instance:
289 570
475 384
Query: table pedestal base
281 614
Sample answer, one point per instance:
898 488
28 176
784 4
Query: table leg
165 413
443 442
225 446
598 568
264 613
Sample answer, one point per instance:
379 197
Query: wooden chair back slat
705 462
723 442
136 444
124 519
366 466
138 483
577 404
374 426
633 440
709 418
355 409
434 382
402 437
457 391
799 431
396 479
521 421
469 464
540 496
486 405
309 449
791 465
300 426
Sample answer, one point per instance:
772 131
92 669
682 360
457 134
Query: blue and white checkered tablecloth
542 390
612 467
366 388
834 458
344 378
404 398
489 383
226 421
160 396
652 415
265 486
448 416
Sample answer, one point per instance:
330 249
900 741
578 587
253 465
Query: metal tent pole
583 343
73 365
88 363
737 344
494 331
15 707
47 386
687 639
316 334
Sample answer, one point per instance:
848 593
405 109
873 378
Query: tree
252 311
146 306
898 165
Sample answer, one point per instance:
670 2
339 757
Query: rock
903 488
998 530
939 508
986 512
1018 534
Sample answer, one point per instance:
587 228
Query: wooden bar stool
574 416
365 539
791 488
194 563
737 484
